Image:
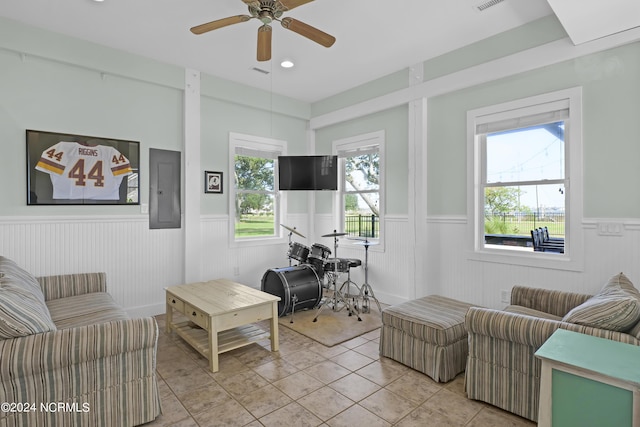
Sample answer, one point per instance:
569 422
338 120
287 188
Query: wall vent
487 4
260 70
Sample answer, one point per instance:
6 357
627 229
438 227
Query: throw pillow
21 313
616 307
10 271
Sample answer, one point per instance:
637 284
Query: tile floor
308 384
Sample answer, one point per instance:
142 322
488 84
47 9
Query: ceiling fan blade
308 31
214 25
264 43
290 4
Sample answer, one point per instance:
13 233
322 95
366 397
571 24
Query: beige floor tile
304 358
325 403
276 370
203 398
264 401
242 383
356 415
489 417
292 415
370 349
298 385
327 352
190 380
424 416
387 405
355 387
352 360
414 386
382 373
453 405
327 371
230 414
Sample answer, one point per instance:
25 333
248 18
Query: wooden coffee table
217 316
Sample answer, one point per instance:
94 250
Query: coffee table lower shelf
228 340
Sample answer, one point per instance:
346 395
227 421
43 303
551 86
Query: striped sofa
502 369
70 356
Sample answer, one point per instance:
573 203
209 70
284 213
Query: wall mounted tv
308 172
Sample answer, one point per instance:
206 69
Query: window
526 176
361 161
255 204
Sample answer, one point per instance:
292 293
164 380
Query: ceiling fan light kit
267 11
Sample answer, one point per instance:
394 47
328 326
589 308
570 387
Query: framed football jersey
79 170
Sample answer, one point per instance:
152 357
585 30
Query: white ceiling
374 37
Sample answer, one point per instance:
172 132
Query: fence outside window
521 223
362 226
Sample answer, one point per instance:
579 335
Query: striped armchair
501 368
77 359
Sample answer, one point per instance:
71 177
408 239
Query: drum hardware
351 263
337 296
366 290
294 299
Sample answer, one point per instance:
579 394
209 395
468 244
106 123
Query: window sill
527 258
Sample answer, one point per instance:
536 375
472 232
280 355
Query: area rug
332 327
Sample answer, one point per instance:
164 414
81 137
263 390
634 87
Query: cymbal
293 230
334 234
366 243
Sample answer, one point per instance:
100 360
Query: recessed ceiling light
287 63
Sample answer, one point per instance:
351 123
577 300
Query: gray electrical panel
164 189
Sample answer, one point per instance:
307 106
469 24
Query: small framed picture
213 182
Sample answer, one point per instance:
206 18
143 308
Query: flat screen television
308 172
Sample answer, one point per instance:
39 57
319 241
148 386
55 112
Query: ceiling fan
268 11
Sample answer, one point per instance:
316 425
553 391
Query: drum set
301 286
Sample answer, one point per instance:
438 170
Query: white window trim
353 143
260 144
573 258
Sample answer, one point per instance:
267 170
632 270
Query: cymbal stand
366 289
290 233
337 295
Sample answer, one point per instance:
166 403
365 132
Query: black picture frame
213 182
69 169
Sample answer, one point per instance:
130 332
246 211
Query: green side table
588 381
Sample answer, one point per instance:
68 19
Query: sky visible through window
529 154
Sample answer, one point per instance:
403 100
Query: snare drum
339 265
298 252
299 283
319 251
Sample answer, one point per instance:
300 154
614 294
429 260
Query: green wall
611 129
394 122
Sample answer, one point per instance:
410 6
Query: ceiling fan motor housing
266 11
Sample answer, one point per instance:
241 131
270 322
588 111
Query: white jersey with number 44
84 172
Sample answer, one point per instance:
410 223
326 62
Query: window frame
573 258
257 144
352 145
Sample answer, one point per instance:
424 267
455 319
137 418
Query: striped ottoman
428 335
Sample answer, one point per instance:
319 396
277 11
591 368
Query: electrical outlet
505 296
144 208
236 271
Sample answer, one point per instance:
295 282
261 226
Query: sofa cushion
85 309
616 307
518 309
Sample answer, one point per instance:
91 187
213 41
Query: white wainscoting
453 274
389 264
139 262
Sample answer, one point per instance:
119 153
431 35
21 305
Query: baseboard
146 310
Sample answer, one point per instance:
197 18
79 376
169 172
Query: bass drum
299 283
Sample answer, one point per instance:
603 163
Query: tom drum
298 252
298 283
317 257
